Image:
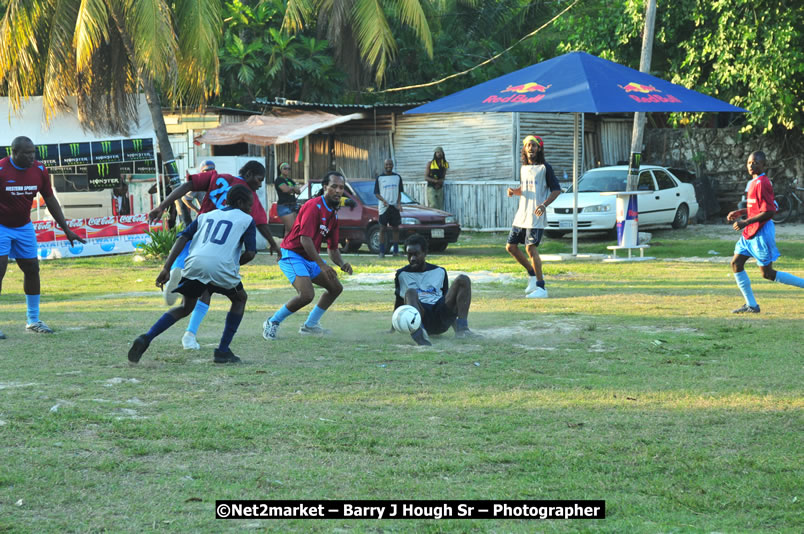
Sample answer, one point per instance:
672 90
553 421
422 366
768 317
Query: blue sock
229 330
396 248
382 248
531 272
744 283
281 314
461 324
315 316
199 312
789 279
540 283
164 322
33 308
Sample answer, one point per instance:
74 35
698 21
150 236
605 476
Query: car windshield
365 190
600 181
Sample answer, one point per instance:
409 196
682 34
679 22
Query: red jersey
759 199
18 188
217 186
317 221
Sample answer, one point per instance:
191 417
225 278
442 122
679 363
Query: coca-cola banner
114 234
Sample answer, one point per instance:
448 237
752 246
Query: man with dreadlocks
538 188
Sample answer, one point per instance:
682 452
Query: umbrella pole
575 165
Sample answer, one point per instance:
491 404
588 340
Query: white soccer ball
406 319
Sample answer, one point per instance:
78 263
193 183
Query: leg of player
382 241
223 354
419 336
175 276
188 340
304 296
31 287
333 289
395 243
458 299
536 263
3 268
168 319
780 276
514 250
744 283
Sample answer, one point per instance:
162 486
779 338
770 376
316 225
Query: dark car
359 220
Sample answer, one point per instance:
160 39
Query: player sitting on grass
213 265
426 287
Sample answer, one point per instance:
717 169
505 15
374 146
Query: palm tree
104 51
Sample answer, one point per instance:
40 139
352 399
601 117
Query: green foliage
161 242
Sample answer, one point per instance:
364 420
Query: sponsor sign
526 93
107 151
64 170
44 231
647 94
75 153
138 149
104 235
103 176
101 227
127 167
6 151
76 225
145 167
133 224
48 154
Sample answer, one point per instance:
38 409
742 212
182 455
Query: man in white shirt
388 190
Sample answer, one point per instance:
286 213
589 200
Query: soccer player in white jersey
213 265
538 188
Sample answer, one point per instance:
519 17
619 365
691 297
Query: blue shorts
285 209
525 236
761 247
293 265
18 242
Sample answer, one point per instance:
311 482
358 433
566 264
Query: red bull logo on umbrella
520 94
635 90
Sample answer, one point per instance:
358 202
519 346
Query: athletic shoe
225 356
467 334
2 335
421 338
745 308
137 349
531 285
189 342
269 330
538 293
172 283
381 255
39 327
315 330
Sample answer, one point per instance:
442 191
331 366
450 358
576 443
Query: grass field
632 383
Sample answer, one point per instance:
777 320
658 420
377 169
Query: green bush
161 242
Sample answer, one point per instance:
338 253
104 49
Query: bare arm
739 224
265 231
164 274
174 195
512 192
337 259
54 208
541 209
247 256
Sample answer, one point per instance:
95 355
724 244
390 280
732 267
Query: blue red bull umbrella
576 83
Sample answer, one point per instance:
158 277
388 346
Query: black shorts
194 289
525 236
437 318
391 217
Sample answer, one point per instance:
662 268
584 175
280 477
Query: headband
535 138
283 165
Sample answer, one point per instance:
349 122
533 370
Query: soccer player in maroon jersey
301 261
21 178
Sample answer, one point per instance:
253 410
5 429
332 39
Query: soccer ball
406 319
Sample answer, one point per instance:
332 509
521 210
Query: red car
359 222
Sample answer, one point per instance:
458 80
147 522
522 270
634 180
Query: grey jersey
431 284
389 186
217 240
536 183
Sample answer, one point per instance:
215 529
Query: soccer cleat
538 293
269 330
172 283
2 335
189 342
315 330
467 334
421 338
225 356
137 349
745 308
39 327
531 285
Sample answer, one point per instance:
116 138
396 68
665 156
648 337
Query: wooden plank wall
361 157
556 129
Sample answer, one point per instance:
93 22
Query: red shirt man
759 199
317 221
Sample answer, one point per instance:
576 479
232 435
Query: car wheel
682 217
351 245
438 246
373 239
554 234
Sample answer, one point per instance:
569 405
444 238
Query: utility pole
639 117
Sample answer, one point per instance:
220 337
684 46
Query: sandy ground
725 231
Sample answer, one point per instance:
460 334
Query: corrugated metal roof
298 104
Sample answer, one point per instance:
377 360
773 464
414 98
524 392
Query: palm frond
91 32
373 35
412 14
198 24
298 13
23 26
60 74
150 28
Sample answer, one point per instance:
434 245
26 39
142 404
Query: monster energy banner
75 153
103 176
138 149
48 154
145 167
107 152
